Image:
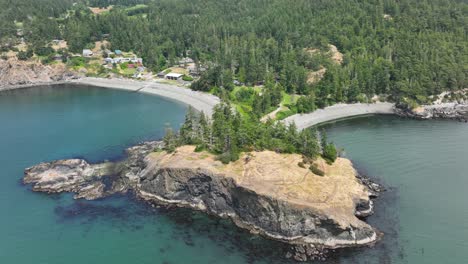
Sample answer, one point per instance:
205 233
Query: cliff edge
264 192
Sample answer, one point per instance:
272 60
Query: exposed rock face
73 175
455 111
14 73
297 208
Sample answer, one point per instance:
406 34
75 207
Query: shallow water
423 164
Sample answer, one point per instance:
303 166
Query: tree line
405 50
227 134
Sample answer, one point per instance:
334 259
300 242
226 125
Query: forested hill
407 49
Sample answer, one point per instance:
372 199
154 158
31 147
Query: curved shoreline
200 101
339 111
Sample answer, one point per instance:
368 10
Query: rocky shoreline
15 74
311 232
452 111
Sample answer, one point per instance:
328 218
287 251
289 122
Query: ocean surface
424 165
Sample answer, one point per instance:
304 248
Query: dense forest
405 50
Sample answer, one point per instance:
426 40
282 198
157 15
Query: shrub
301 164
315 170
24 55
187 78
200 148
77 62
44 51
329 153
227 157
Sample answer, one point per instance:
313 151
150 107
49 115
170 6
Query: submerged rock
264 192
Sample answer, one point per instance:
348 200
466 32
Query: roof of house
87 51
174 75
118 52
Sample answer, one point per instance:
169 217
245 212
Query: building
196 71
87 53
109 60
184 62
174 76
137 60
118 52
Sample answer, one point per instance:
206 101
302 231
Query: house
196 71
87 53
141 69
118 52
185 61
174 76
109 60
137 60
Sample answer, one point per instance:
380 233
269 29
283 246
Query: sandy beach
198 100
338 111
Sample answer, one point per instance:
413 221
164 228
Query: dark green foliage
24 55
407 49
187 78
315 170
329 152
170 140
44 51
227 135
306 104
211 78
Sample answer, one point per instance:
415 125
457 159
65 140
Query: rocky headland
264 192
453 110
15 73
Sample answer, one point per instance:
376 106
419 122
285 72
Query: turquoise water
423 164
48 123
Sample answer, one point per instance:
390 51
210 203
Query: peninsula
264 192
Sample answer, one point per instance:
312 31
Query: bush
284 114
44 51
227 157
315 170
301 164
187 78
77 62
25 55
329 153
200 148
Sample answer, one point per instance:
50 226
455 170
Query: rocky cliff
264 192
14 73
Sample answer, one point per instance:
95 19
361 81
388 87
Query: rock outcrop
264 192
17 73
455 111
